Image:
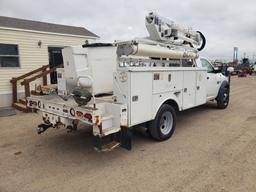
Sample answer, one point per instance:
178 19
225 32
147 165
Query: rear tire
223 98
163 126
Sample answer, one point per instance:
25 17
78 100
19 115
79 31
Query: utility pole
235 55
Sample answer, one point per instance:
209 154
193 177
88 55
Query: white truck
146 81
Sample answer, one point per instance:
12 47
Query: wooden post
27 88
44 76
14 90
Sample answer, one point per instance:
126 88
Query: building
26 45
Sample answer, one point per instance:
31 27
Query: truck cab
214 78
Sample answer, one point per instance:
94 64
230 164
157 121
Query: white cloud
225 24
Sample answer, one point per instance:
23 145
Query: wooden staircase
25 80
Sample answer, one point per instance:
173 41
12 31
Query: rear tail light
87 116
97 120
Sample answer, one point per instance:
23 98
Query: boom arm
164 30
166 40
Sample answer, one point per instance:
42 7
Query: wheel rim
166 123
226 97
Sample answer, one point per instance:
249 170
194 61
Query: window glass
206 64
6 49
9 55
187 62
9 62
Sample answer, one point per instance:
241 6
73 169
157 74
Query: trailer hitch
43 127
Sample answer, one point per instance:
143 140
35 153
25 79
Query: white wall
31 56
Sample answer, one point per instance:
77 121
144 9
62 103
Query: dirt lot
211 150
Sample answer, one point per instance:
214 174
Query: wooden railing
29 77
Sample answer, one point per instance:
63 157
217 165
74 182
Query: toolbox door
189 89
140 97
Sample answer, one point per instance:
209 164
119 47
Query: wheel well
173 104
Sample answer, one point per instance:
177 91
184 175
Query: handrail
29 73
44 73
26 81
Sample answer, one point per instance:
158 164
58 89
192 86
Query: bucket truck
144 81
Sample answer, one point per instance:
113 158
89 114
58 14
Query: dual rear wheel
163 126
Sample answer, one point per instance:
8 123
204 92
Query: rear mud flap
126 138
110 142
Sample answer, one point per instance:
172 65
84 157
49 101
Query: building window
9 55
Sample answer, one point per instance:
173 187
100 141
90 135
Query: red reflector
97 120
87 116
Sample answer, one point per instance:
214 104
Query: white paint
96 62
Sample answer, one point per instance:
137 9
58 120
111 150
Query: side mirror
217 69
230 69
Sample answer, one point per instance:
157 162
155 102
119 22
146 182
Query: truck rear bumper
107 118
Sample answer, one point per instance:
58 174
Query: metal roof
39 26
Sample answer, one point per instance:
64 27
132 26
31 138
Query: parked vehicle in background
254 68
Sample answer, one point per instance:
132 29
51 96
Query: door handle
208 78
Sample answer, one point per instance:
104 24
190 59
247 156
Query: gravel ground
211 150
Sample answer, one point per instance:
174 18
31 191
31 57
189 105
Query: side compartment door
201 87
189 89
140 97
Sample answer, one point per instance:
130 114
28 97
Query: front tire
223 98
163 126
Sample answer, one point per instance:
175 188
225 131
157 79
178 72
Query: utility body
116 87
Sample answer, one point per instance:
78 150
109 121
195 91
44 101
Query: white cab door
212 85
201 87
